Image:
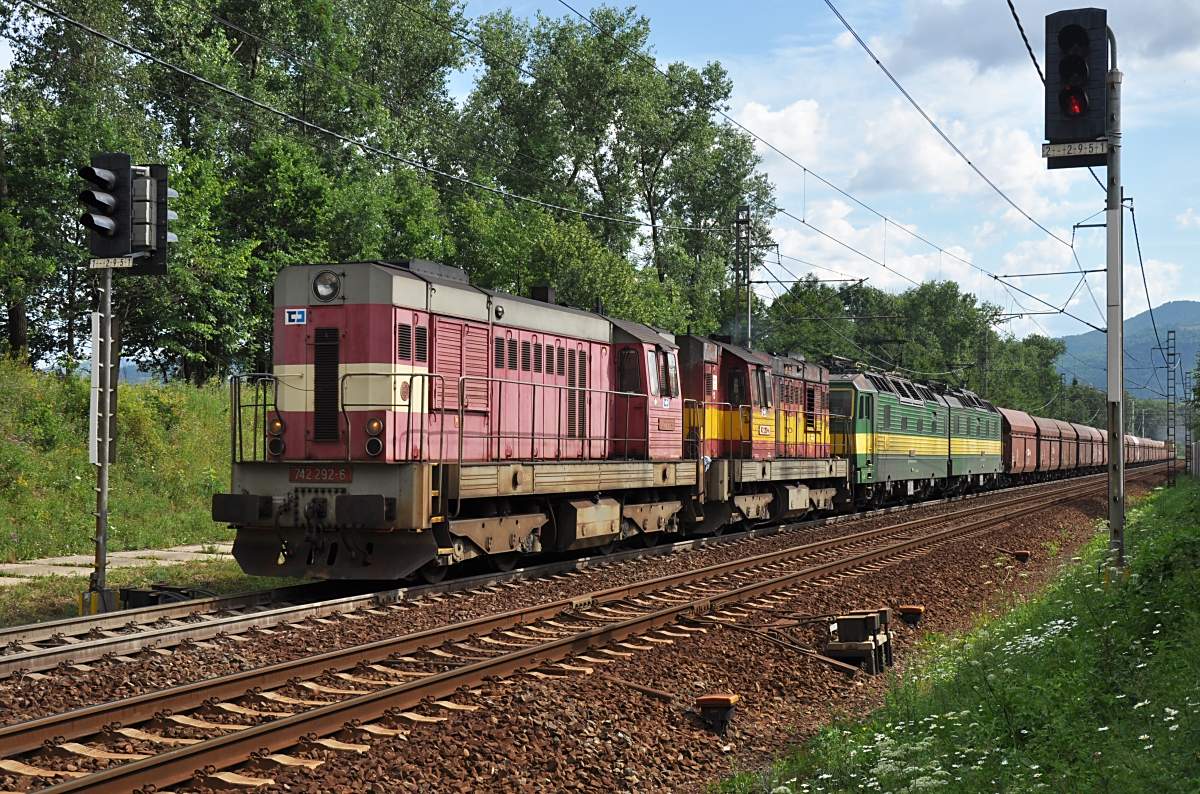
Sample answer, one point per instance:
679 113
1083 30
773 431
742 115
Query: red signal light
1073 101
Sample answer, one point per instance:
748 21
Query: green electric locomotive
910 440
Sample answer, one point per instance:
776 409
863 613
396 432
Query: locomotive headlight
374 426
275 446
374 446
275 426
327 285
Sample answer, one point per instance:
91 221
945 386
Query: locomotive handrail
426 394
585 438
237 451
407 406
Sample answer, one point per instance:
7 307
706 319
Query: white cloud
797 129
1166 283
1188 219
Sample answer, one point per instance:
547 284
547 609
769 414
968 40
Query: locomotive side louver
325 385
404 342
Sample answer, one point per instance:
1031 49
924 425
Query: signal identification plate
113 262
1083 149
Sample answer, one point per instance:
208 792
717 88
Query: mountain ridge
1086 354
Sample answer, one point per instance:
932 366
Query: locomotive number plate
320 474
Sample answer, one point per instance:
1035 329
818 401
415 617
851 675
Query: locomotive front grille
325 385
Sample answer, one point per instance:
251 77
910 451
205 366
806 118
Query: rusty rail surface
234 748
135 629
21 737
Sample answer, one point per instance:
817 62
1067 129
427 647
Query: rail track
77 641
393 678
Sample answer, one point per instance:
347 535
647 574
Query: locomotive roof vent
435 270
543 293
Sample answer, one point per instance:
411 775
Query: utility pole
1188 405
1083 129
1171 407
1115 262
1191 452
742 240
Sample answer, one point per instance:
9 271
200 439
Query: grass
172 455
1092 687
53 597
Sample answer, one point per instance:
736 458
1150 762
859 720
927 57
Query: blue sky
801 83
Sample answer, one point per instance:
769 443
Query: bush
172 456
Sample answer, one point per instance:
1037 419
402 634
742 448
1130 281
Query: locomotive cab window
629 374
762 382
652 373
841 402
737 388
810 407
673 373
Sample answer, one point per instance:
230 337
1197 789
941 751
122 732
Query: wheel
432 573
646 540
606 549
503 563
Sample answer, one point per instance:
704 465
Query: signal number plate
320 474
1074 149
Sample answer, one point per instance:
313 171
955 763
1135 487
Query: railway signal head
152 216
1076 71
109 205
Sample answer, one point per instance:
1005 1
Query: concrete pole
102 358
1116 319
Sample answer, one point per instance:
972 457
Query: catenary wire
807 171
937 128
1028 48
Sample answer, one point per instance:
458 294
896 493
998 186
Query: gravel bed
589 733
24 698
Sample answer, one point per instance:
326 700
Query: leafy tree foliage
571 114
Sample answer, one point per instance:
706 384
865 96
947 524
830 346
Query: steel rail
206 627
230 749
174 610
26 736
